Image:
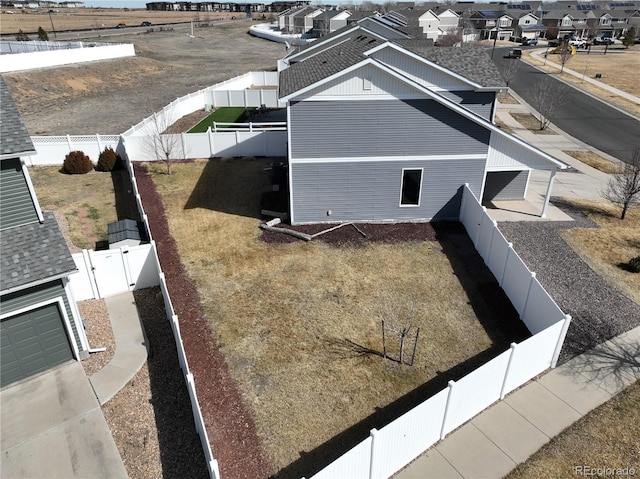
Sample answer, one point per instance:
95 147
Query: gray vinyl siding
480 103
16 206
367 128
38 294
370 190
505 185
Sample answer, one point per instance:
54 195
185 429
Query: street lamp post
52 27
495 39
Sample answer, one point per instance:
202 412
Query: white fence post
563 333
463 203
211 144
99 142
69 143
493 234
451 384
506 373
373 433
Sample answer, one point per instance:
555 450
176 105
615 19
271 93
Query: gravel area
598 310
99 333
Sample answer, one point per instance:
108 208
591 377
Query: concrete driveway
52 426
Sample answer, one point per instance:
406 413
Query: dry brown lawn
531 123
293 320
595 161
86 201
606 437
609 248
619 69
88 18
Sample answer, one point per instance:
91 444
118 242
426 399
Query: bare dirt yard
108 97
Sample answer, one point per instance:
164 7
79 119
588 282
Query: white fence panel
264 78
51 150
498 255
476 391
29 61
142 266
82 283
533 356
541 311
109 271
485 236
515 282
237 98
401 441
354 464
220 98
471 213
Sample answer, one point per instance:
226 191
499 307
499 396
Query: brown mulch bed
357 234
228 421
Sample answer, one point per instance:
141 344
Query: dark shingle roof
472 63
326 63
32 253
14 137
469 61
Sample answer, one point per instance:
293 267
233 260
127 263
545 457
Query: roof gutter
38 282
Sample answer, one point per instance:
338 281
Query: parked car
145 24
121 25
578 43
603 41
529 42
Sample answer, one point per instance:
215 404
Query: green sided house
39 322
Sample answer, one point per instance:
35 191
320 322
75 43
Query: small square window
366 83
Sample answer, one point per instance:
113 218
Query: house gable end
366 81
420 71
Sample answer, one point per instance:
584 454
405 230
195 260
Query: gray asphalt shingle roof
32 253
326 63
472 63
469 61
14 137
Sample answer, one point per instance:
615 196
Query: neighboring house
389 130
449 21
529 26
40 323
430 24
329 21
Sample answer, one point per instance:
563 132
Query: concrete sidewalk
131 347
507 433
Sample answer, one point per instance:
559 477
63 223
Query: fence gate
109 271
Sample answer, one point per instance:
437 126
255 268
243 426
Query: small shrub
108 160
634 265
77 163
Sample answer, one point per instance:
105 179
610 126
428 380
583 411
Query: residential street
583 116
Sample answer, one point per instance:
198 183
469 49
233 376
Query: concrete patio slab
52 426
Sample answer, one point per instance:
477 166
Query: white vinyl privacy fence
389 449
76 53
51 150
106 273
212 463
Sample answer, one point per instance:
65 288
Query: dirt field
108 97
84 18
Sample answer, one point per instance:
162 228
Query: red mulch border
230 427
